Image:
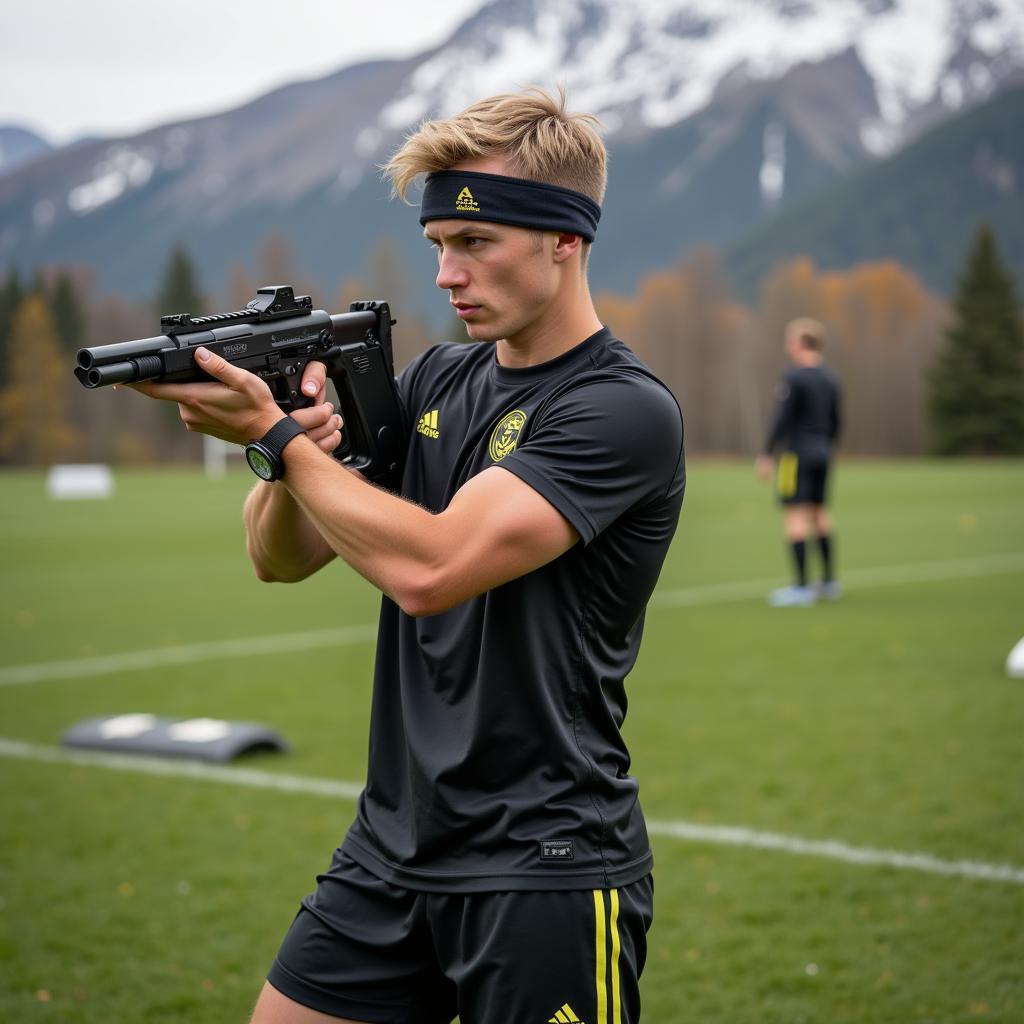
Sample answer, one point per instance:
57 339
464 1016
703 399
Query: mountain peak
717 112
647 64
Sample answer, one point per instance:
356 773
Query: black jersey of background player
496 760
807 413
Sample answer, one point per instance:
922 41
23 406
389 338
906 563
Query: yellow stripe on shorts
614 928
788 463
602 956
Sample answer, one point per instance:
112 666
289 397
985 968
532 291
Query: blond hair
811 333
542 140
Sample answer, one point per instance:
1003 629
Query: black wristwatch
264 455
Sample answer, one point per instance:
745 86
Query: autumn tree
683 324
883 326
276 263
723 359
976 399
241 289
34 428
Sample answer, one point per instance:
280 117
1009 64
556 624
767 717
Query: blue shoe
831 590
791 597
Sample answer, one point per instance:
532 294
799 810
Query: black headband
470 195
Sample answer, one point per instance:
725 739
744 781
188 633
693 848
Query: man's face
500 279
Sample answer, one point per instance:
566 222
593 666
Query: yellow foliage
33 407
722 359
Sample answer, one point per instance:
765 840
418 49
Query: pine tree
11 294
68 312
34 428
976 388
179 292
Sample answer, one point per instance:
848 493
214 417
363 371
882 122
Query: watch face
259 463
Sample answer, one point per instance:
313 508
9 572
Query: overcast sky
110 67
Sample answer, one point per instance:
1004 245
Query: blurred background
835 794
769 159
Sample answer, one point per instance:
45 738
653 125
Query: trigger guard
293 399
291 404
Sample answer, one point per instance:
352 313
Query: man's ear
566 245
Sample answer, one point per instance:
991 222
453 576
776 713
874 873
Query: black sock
825 544
799 548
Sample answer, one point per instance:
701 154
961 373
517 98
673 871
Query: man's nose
450 273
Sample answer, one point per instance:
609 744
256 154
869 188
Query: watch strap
279 435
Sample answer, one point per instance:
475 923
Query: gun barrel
103 355
111 373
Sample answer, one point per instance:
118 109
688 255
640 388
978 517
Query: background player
803 431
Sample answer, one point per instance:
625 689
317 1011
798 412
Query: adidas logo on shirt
427 425
565 1016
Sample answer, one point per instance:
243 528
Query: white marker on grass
1015 661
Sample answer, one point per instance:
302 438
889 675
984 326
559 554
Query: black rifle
276 336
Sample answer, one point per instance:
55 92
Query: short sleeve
602 447
406 381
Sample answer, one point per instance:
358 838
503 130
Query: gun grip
369 405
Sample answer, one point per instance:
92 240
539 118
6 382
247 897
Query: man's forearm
385 538
284 546
495 529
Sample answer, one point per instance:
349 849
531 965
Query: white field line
834 849
162 657
877 576
181 769
715 593
728 835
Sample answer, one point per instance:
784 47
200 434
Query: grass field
884 722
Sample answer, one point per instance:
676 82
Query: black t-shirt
496 760
806 417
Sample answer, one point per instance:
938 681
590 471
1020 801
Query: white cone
1015 662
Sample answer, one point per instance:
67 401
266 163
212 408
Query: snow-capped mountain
649 64
717 113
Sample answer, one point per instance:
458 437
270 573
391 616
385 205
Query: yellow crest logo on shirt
506 434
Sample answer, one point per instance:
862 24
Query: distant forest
720 356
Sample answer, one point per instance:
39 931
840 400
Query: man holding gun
498 867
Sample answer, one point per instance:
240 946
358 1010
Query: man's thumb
215 366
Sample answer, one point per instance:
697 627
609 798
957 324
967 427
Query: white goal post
215 456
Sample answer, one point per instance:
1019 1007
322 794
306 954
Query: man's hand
321 422
241 407
763 466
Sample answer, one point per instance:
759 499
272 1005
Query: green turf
884 720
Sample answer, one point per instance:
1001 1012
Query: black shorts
370 951
802 479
